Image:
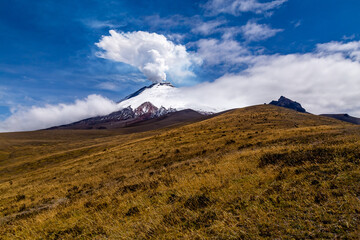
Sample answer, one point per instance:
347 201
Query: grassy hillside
252 173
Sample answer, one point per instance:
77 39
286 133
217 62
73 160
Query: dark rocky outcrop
288 103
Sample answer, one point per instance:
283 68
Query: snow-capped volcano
155 102
164 95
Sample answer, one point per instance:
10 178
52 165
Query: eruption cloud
153 54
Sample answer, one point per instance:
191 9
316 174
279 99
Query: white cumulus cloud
153 54
52 115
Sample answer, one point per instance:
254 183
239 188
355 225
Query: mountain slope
178 117
343 117
140 116
261 172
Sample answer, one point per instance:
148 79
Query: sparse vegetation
259 172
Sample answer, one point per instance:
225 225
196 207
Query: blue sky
48 53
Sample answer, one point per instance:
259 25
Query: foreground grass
258 172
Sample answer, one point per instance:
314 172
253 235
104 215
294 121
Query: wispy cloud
121 78
170 22
107 86
97 24
297 23
349 49
207 28
223 51
228 52
196 24
236 7
253 31
351 37
176 37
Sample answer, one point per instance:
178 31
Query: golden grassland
261 172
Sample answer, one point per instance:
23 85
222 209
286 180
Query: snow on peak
155 85
159 94
167 96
